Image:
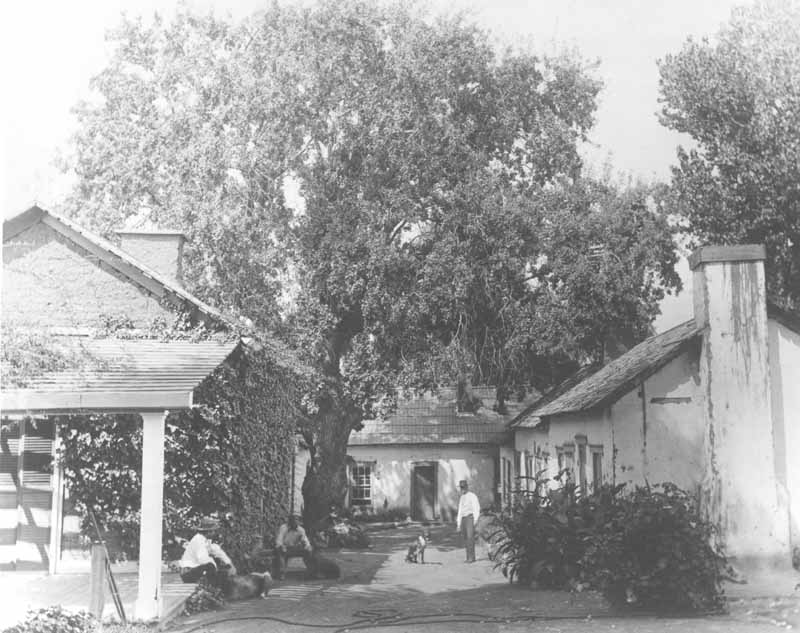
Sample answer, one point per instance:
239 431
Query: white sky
50 49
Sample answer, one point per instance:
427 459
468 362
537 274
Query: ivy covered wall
231 455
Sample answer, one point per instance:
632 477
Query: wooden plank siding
26 494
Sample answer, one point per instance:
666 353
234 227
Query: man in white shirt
291 541
202 556
469 510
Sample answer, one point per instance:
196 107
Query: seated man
291 541
203 557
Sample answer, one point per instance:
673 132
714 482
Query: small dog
252 585
322 567
416 551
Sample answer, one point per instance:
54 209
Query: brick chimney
161 250
740 491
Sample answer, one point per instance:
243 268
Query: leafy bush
652 547
55 620
538 539
648 546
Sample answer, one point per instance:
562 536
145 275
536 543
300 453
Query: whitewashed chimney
161 250
740 488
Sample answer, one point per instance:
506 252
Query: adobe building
712 405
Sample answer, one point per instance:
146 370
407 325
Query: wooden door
423 492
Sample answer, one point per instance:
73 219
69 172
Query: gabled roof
137 272
435 419
613 380
151 281
120 374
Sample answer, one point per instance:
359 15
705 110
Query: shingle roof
435 420
113 372
615 379
529 418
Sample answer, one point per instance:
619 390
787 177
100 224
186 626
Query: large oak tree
440 231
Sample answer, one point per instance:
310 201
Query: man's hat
207 524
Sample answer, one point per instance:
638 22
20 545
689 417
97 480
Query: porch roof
121 375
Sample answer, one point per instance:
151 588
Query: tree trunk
325 483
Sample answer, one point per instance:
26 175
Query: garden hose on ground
387 618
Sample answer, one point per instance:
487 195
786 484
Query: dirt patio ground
379 591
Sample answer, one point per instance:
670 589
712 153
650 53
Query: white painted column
57 504
148 600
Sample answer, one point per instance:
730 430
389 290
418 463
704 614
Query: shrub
537 540
649 546
55 620
653 548
386 515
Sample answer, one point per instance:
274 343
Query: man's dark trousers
468 533
282 557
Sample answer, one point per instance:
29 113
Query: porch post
57 504
148 599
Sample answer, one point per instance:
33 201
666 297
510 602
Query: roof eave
32 402
630 384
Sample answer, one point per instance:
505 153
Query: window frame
596 451
566 450
358 483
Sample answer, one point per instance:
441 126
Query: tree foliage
442 229
737 95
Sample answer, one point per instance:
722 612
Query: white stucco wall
628 438
391 481
301 459
536 442
655 441
784 350
674 428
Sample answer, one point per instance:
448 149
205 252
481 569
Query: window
540 463
518 468
597 466
580 441
566 462
530 484
505 482
361 484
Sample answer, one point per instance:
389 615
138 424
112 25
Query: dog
416 551
321 567
253 585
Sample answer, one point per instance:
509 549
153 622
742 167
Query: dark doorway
423 492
